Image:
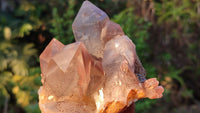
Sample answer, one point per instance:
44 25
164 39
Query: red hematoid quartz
99 73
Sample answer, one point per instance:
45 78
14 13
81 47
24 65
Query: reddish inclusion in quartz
96 74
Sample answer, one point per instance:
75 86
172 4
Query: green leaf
28 50
25 29
19 67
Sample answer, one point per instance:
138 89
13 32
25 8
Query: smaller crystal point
53 47
110 30
123 46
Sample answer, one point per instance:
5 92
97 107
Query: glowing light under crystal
101 93
100 99
120 83
116 45
50 97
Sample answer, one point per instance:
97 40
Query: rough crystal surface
100 73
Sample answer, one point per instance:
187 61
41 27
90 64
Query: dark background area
166 34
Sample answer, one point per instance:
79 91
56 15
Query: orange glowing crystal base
99 73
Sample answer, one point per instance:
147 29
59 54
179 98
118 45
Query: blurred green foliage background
166 34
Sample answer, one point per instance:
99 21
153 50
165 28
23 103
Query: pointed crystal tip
52 48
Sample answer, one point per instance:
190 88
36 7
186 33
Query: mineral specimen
100 73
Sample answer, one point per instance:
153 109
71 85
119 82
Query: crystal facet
100 73
53 47
87 27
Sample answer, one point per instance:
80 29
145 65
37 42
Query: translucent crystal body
100 73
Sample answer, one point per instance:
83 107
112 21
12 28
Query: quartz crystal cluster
99 73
